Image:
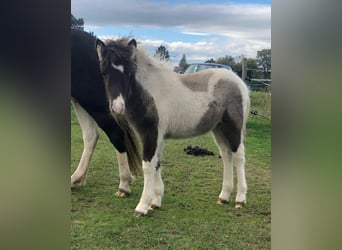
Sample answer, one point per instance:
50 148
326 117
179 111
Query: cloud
202 50
195 33
221 19
229 28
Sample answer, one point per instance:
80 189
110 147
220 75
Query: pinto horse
161 104
91 107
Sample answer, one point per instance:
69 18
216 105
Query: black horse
92 109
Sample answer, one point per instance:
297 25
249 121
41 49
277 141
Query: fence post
244 69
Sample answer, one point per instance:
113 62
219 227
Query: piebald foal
161 104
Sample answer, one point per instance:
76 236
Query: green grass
189 217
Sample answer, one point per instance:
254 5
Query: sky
199 29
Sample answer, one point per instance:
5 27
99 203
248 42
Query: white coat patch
118 105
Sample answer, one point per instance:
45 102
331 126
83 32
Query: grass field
189 217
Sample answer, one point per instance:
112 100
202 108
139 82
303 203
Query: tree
77 23
252 63
182 64
162 53
230 61
264 61
226 60
211 60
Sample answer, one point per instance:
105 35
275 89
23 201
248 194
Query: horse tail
131 144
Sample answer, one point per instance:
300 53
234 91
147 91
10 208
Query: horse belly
184 125
179 134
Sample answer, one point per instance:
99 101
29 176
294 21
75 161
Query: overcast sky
199 29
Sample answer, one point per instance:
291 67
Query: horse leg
239 161
124 173
153 184
90 136
227 158
158 188
116 137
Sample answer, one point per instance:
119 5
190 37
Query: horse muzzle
118 105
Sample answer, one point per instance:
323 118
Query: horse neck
154 76
148 66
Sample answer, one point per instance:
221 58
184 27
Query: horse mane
120 42
153 61
120 48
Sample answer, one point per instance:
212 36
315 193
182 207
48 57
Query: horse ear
100 47
132 43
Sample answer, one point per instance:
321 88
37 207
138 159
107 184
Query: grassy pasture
189 217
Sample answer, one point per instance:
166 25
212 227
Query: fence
256 83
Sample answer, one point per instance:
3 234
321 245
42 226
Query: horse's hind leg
90 136
227 158
239 161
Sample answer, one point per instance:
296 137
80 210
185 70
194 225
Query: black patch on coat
158 165
87 86
229 96
231 131
210 118
142 113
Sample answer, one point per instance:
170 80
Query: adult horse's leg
90 136
116 137
153 185
125 175
227 158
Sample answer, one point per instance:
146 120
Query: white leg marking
148 191
227 158
118 67
124 173
228 184
153 184
158 189
239 161
90 137
118 105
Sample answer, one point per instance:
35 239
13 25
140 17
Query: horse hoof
77 183
138 214
122 193
221 201
154 207
239 204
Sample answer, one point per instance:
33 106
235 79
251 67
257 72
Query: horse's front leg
153 185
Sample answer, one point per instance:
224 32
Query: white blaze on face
118 67
118 105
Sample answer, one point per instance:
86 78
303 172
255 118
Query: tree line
259 67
